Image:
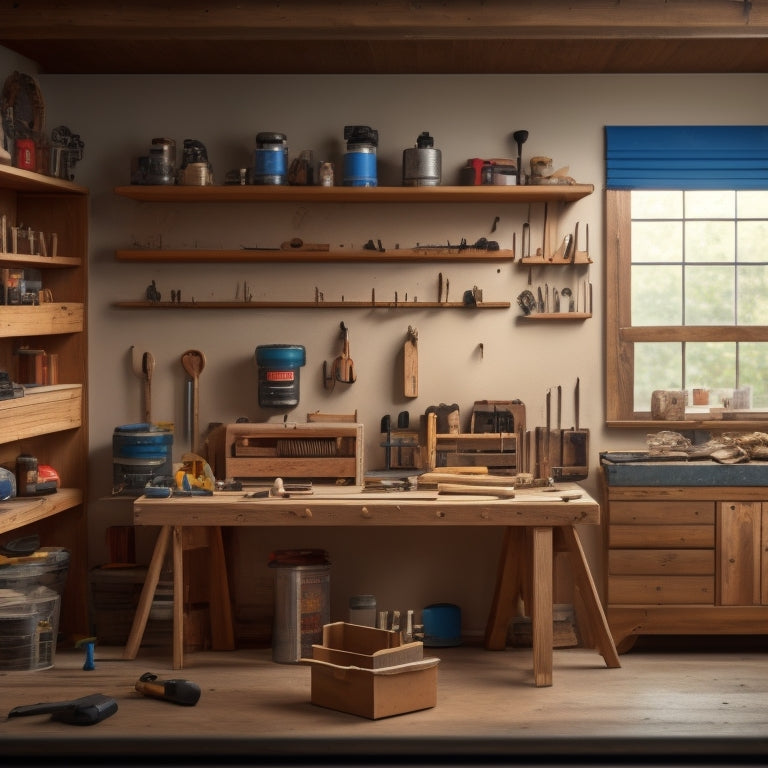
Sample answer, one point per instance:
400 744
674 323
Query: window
687 295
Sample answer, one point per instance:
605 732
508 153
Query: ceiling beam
382 20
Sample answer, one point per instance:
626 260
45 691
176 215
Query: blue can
279 374
360 158
270 160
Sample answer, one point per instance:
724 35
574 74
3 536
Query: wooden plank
738 553
542 630
41 411
690 562
20 511
662 512
652 590
41 320
661 536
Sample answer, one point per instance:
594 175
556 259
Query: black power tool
182 692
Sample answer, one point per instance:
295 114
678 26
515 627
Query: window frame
620 335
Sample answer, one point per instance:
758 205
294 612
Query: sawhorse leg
595 615
147 594
525 569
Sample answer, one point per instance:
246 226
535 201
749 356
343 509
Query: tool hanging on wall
342 368
193 362
411 364
147 368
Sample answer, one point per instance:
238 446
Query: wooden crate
320 452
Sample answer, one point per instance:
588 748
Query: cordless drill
178 691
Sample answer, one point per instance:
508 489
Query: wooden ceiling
389 36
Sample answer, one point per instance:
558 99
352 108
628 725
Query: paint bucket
140 453
360 158
279 374
302 603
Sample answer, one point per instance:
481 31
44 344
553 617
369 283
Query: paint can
360 157
279 374
422 164
270 160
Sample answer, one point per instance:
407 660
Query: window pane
753 357
752 287
709 241
718 204
657 366
654 204
657 295
710 296
752 204
657 241
752 242
710 364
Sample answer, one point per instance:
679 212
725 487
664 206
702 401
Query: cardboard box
368 672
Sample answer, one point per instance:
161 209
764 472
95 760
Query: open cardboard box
369 672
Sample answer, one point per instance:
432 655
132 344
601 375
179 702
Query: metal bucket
302 608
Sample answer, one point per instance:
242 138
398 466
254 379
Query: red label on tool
279 375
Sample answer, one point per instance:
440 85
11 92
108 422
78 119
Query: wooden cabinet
49 421
685 560
556 196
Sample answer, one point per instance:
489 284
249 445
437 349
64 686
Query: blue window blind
686 157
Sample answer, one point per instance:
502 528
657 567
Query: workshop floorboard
660 705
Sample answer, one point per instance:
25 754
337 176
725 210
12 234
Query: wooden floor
662 708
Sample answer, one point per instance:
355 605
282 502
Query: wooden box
367 672
318 452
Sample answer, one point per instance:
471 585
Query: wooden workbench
536 521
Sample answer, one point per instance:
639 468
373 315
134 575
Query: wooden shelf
247 255
40 411
40 262
288 194
41 319
20 511
721 425
19 180
581 258
557 316
310 305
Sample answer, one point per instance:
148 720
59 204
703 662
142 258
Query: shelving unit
49 422
560 194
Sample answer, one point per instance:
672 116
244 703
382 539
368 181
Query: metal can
270 160
26 475
422 164
360 158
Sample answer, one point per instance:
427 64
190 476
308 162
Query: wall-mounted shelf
311 305
581 258
557 316
287 194
248 255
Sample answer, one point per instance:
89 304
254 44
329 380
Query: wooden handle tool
411 364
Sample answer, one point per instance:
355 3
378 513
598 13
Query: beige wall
468 116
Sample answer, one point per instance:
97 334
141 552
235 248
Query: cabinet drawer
688 562
661 536
662 512
661 590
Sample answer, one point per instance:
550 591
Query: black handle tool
86 710
177 691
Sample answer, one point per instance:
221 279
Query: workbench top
337 507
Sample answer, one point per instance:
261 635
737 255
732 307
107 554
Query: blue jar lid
281 355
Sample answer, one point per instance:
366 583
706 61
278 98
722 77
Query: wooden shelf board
40 411
41 319
41 262
288 256
692 424
310 305
531 261
307 194
20 511
20 180
557 316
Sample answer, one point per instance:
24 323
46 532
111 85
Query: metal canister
279 372
26 475
162 162
422 164
270 159
360 157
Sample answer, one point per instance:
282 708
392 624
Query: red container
25 154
